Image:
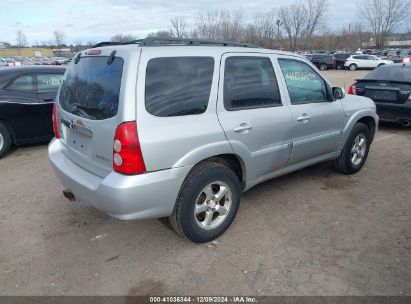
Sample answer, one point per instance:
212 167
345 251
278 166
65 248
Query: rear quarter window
178 86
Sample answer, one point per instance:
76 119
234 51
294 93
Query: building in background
26 52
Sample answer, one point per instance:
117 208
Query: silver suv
177 129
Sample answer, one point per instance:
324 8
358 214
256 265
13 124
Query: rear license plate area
79 142
382 95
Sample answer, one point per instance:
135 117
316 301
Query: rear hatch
389 84
88 106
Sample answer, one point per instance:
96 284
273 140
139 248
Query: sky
98 20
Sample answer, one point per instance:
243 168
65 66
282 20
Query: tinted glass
394 73
91 88
250 83
23 83
48 83
178 85
303 83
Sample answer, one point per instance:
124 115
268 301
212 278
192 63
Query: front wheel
353 67
207 203
355 151
323 67
5 141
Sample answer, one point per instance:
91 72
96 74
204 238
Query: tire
346 163
323 67
5 140
205 182
353 67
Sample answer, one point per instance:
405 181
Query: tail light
127 156
55 122
352 90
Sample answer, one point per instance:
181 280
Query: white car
355 62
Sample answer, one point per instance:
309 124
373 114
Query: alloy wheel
213 205
358 149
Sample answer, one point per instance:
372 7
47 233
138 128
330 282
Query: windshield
400 73
91 88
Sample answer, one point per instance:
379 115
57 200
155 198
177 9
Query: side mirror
338 93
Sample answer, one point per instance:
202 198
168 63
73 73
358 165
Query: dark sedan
390 88
26 101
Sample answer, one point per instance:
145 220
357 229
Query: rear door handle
304 118
243 128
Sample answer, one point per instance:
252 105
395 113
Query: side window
249 82
303 83
49 83
25 83
178 86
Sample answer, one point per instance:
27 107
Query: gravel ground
312 232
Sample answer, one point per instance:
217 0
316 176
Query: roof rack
161 41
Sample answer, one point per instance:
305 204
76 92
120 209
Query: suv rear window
178 86
91 88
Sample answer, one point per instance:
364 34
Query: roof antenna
111 57
77 59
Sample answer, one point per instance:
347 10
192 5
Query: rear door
19 106
256 122
88 107
47 86
318 121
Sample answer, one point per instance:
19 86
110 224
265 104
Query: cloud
99 20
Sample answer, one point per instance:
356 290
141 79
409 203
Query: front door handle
243 128
304 118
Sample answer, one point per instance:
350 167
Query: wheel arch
366 116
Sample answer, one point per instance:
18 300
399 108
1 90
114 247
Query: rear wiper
87 111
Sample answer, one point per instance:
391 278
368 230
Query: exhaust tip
69 195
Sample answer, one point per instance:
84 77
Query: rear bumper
150 195
393 112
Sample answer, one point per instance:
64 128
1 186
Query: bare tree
123 38
59 37
301 20
179 27
21 40
384 16
161 34
262 29
219 25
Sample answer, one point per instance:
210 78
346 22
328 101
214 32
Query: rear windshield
91 88
393 73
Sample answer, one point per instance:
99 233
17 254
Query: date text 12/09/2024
205 299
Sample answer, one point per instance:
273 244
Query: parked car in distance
355 62
10 62
390 88
322 61
26 100
153 130
3 62
340 59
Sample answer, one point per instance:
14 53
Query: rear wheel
355 152
323 67
207 203
5 140
353 67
